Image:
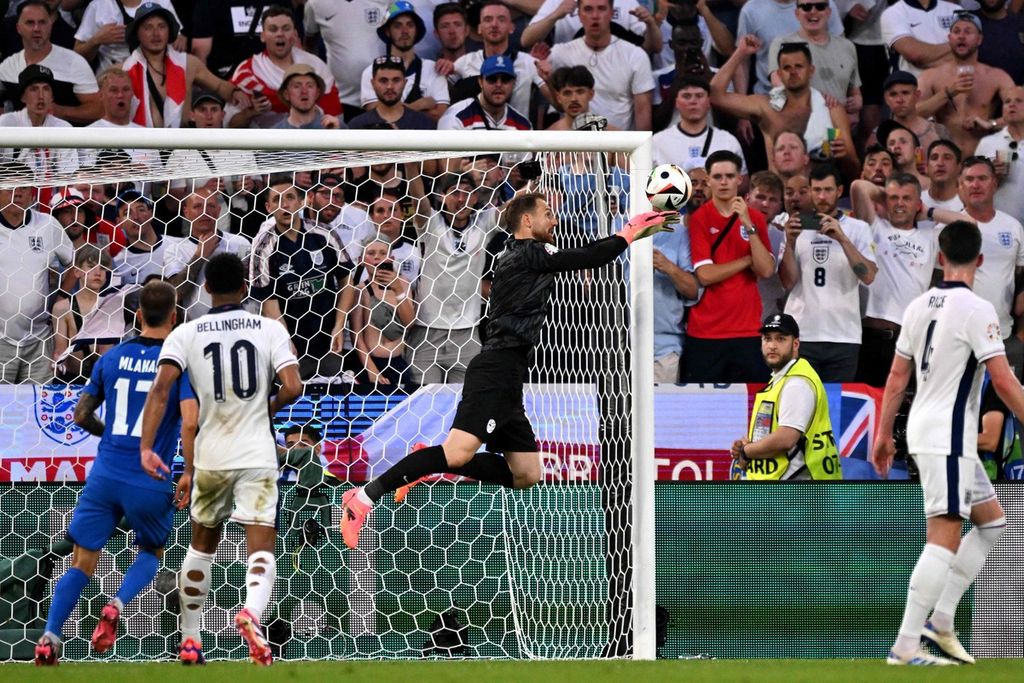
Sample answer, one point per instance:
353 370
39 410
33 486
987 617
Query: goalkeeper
491 409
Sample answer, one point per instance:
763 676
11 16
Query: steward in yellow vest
805 448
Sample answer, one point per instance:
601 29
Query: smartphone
386 265
809 221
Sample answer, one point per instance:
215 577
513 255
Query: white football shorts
953 485
246 496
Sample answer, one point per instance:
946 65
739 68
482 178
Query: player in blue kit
118 486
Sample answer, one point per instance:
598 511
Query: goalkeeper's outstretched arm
603 251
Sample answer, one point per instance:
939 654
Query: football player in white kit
950 336
232 357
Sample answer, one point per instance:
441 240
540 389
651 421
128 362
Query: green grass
754 671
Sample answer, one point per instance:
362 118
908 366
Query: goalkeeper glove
646 224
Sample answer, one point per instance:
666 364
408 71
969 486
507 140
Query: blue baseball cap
397 9
497 64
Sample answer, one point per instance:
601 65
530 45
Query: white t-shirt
568 26
620 71
826 298
954 203
26 254
949 332
868 32
100 12
927 25
146 157
673 146
1002 244
905 259
468 66
448 294
133 266
1010 195
344 226
67 66
431 84
232 358
45 161
349 31
177 257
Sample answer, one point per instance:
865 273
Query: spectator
495 29
453 240
901 97
389 179
116 97
490 109
765 195
693 138
863 22
327 209
452 29
225 33
879 164
622 72
834 57
686 59
384 312
961 93
424 89
101 33
143 254
36 86
943 169
74 88
905 252
162 93
299 273
30 244
185 260
797 106
905 148
573 87
385 225
823 269
388 83
262 75
789 156
62 33
632 22
81 223
722 343
350 37
1004 149
796 196
766 20
917 31
92 266
301 90
1003 30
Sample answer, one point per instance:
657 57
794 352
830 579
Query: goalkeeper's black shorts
491 408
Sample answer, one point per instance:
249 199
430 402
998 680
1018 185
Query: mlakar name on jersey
230 325
129 364
936 301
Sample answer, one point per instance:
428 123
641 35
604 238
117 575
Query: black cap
145 11
206 96
34 73
781 322
899 78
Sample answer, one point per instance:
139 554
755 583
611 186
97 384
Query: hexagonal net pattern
379 265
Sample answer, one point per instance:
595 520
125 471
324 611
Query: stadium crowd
825 141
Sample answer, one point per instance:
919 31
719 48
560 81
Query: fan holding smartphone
825 258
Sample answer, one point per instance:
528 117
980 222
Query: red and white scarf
259 74
174 103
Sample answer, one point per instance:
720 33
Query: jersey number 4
926 356
242 362
122 388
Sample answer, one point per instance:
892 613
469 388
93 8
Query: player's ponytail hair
517 207
960 243
157 302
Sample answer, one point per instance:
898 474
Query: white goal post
308 149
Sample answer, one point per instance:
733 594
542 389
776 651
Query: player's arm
152 414
189 428
291 388
85 414
895 387
603 251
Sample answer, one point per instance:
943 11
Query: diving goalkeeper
491 409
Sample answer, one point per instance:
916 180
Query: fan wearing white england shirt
950 337
232 358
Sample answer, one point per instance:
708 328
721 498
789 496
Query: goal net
563 569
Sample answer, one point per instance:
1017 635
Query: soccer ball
669 188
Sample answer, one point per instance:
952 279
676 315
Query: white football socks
259 582
970 558
193 587
926 584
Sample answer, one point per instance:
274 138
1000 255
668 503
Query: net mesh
458 568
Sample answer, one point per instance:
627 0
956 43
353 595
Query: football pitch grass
662 671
